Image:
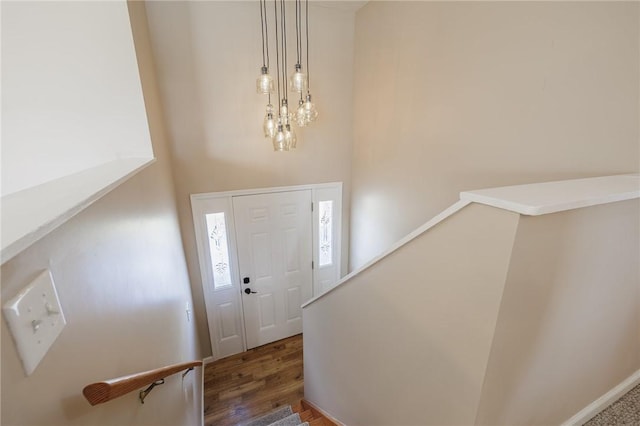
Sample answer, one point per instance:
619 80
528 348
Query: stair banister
99 392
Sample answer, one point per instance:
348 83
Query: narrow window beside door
218 247
325 217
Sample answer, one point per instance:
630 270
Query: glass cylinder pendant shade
285 115
290 138
311 113
270 126
300 116
279 140
298 81
264 83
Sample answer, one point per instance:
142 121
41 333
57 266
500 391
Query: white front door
274 246
278 239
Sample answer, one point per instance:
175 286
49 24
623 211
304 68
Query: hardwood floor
246 385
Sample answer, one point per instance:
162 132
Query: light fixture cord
263 10
298 38
262 32
275 15
306 10
284 49
266 30
299 35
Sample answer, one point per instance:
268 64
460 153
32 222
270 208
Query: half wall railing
517 305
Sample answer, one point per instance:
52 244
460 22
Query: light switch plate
35 320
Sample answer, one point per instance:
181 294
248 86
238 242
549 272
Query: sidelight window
325 218
219 249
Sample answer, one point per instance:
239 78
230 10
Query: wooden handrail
97 393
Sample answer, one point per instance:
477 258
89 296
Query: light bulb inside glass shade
311 113
279 140
264 83
269 126
300 117
290 137
285 115
298 81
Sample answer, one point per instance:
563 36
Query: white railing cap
550 197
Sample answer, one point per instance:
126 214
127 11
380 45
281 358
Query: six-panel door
273 234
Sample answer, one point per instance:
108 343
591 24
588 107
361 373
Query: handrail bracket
186 372
143 393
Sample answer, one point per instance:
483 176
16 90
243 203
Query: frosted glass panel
219 249
325 215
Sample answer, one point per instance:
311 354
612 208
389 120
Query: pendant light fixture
264 83
310 111
298 82
270 125
278 124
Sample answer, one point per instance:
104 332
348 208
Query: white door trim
223 194
199 210
202 203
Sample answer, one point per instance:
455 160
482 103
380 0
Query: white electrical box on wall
35 320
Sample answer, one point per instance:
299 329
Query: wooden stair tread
311 415
306 416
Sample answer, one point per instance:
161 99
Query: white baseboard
207 360
588 412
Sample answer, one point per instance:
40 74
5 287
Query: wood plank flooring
246 385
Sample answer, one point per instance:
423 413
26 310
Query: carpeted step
292 420
270 418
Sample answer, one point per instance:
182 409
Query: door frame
203 203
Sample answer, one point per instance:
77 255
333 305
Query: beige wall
568 326
488 318
452 96
407 341
121 277
44 83
208 57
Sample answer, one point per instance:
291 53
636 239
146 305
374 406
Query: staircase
301 414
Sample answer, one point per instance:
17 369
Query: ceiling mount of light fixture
278 123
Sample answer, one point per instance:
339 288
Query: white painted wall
488 318
71 94
121 277
455 96
568 330
208 57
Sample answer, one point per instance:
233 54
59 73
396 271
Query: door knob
248 291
